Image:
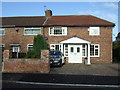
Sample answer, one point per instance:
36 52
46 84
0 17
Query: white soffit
75 40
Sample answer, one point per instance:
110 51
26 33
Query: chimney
48 13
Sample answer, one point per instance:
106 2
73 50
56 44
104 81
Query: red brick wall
104 39
27 65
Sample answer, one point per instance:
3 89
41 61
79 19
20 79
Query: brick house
77 36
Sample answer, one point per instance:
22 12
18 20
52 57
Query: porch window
30 47
84 50
32 31
58 30
2 31
55 47
94 50
94 31
66 50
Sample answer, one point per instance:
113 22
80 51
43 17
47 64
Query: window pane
96 51
2 31
32 31
78 49
83 52
92 50
56 47
71 50
94 30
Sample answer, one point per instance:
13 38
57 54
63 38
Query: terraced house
79 37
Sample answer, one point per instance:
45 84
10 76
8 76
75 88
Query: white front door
75 53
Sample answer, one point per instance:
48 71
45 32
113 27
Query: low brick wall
27 65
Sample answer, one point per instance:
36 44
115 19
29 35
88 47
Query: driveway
82 69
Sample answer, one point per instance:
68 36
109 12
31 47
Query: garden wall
27 65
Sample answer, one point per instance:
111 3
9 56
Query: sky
104 10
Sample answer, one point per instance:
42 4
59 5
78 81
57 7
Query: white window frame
3 30
94 50
31 29
29 46
54 46
64 31
13 48
65 51
92 28
85 51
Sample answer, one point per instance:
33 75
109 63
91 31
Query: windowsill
30 34
57 35
94 56
94 35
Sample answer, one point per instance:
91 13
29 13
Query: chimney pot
48 13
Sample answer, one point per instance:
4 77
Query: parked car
57 58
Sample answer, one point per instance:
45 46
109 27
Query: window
84 50
94 50
2 31
66 50
16 48
78 49
58 30
71 49
94 31
30 47
32 31
55 47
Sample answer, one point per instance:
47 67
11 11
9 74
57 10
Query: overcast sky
104 10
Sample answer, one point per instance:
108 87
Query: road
58 81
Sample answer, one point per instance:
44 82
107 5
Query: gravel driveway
82 69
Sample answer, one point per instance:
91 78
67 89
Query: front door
75 53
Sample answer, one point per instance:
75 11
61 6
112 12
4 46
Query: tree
38 45
116 49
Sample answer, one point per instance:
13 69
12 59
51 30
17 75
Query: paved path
82 69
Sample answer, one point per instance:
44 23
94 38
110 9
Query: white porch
73 48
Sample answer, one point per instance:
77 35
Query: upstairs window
32 31
94 31
2 31
58 30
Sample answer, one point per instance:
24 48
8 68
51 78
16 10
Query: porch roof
75 40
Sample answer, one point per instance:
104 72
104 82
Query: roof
74 40
23 21
68 20
78 20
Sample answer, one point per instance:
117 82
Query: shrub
30 54
116 52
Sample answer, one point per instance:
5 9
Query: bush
30 54
116 53
38 45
